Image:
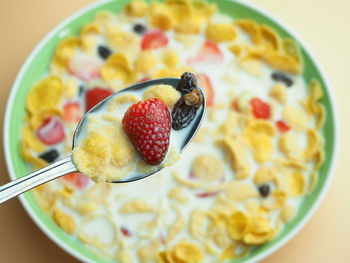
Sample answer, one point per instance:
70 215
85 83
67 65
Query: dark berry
139 29
279 76
104 52
81 90
50 155
264 190
187 83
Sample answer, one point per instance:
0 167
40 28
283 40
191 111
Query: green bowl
38 62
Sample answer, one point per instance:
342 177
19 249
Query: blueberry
264 190
104 52
50 155
139 29
81 90
279 76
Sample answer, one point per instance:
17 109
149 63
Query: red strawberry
154 39
207 194
147 124
204 83
84 67
51 131
95 95
282 126
209 53
78 179
125 232
72 112
261 109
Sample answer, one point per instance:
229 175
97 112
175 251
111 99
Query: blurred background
324 27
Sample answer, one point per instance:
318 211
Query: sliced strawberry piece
261 109
282 126
84 67
144 79
95 95
148 125
125 232
72 112
154 39
204 83
51 131
209 53
207 194
78 179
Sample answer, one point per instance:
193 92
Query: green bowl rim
80 12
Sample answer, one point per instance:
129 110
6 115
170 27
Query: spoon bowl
66 165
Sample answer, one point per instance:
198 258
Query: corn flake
64 221
237 152
220 32
136 206
117 67
270 38
45 95
165 93
161 16
279 93
265 175
187 252
65 51
207 167
295 117
287 213
136 8
251 28
237 225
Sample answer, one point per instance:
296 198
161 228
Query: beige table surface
324 25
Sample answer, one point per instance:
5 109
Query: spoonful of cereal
129 135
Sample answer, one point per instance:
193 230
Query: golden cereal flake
256 128
136 8
251 28
137 206
161 16
178 225
291 49
186 40
188 183
221 237
31 140
254 207
91 28
314 144
165 93
278 199
297 184
181 10
288 145
123 42
91 155
121 99
37 118
122 150
241 192
46 94
228 253
287 213
253 67
223 206
188 252
88 44
270 38
104 18
178 194
45 197
65 50
71 87
259 231
237 225
295 117
147 253
86 207
190 26
279 93
220 32
145 62
27 155
262 148
117 67
265 175
196 224
238 154
207 167
170 58
64 221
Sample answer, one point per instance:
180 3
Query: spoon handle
48 173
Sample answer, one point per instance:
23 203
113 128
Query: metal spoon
66 165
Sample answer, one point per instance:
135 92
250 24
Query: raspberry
147 125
